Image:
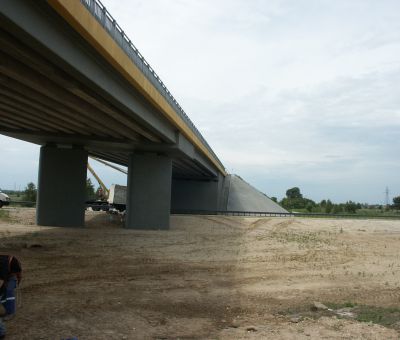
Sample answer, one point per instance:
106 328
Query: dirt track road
207 278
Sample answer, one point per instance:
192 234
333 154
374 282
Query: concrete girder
9 125
32 115
29 57
68 114
35 80
20 121
39 107
57 41
114 150
7 122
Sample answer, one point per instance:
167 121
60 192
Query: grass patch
4 215
387 317
348 304
16 198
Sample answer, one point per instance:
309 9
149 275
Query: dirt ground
208 277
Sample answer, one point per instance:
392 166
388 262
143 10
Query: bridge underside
58 92
43 101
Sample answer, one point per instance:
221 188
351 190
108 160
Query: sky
287 92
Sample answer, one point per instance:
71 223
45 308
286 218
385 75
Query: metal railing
100 13
278 214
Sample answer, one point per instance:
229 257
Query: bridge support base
61 187
149 192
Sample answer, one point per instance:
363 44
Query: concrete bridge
73 82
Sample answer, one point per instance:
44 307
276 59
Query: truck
112 199
4 199
114 202
117 197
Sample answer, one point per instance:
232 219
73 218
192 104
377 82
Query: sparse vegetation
396 202
388 317
30 193
90 192
4 215
305 238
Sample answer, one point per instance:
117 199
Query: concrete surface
195 194
244 197
61 187
149 191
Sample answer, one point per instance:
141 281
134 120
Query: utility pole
387 197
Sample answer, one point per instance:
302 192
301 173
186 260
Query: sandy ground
207 278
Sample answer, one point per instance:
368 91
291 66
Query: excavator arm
102 185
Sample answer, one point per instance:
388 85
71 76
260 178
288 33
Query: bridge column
61 187
149 191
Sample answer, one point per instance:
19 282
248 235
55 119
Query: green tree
273 198
293 203
328 207
30 193
293 193
295 200
337 208
350 207
396 202
90 193
309 206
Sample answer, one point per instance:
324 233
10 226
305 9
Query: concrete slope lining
244 197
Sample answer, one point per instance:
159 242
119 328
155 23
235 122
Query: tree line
29 194
294 200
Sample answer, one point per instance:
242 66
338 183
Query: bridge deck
50 91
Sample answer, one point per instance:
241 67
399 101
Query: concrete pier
149 191
61 187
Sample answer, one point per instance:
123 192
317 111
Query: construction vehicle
113 199
103 192
4 199
117 197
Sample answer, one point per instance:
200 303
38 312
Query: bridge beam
61 187
149 191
